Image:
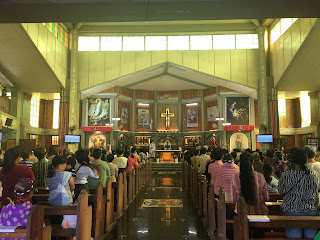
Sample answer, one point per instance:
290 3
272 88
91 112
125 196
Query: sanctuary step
167 166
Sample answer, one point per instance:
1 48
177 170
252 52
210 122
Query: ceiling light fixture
116 119
191 104
143 104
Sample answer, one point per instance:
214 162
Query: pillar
155 111
203 113
180 119
74 101
17 111
133 110
263 84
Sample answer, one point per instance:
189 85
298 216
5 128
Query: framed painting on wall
212 113
99 111
124 116
192 117
143 118
238 110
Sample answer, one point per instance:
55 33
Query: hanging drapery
63 124
274 119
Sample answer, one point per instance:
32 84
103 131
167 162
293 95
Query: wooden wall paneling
125 92
150 107
48 141
185 128
110 90
208 92
144 94
42 113
167 95
290 119
190 94
174 121
123 126
314 105
49 115
210 124
297 113
224 89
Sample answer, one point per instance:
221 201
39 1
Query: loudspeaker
9 122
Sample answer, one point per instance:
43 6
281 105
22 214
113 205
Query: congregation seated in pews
103 194
254 203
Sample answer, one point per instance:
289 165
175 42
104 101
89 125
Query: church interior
175 87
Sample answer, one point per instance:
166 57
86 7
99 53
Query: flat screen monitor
72 139
0 136
267 138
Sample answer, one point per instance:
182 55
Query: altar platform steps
167 166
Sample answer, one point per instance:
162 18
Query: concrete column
180 119
74 102
132 110
203 112
155 111
252 122
263 84
17 111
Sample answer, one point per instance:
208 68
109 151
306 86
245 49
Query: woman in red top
11 172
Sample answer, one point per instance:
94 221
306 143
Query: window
56 108
133 43
111 43
247 41
282 107
305 109
34 110
36 137
285 24
54 140
156 43
199 42
224 41
178 42
88 43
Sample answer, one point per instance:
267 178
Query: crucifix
167 115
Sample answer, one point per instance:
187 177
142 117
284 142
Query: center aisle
161 211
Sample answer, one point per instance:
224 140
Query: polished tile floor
171 216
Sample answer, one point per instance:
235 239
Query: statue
238 142
167 145
213 141
152 149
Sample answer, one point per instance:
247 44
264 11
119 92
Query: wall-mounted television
72 138
265 138
0 136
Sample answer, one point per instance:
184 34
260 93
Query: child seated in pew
61 186
16 212
71 163
272 182
113 168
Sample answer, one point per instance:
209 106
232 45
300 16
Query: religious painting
238 110
212 113
192 117
97 141
99 112
124 116
143 118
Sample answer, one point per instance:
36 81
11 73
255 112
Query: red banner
96 129
239 128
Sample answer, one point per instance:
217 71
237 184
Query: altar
167 156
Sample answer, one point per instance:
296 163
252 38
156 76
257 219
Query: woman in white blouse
84 169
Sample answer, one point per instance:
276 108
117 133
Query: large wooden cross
167 115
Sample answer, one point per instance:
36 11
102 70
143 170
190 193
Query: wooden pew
109 193
125 193
130 186
84 218
99 213
212 225
221 215
34 229
200 194
242 224
119 199
275 197
205 202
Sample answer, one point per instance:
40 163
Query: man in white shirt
120 160
202 160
